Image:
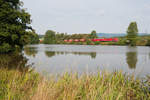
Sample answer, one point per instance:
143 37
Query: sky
83 16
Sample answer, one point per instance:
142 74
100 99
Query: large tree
132 33
14 25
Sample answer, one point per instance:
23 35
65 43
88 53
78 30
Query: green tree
132 33
33 38
148 42
14 25
93 34
50 37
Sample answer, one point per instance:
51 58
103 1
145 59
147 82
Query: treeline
51 37
131 39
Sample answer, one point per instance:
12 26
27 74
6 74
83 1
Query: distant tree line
51 37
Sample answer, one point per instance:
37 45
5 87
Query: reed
15 85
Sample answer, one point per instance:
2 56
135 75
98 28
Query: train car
106 40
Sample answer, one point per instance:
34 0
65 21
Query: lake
57 59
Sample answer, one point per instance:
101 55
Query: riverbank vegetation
16 85
123 41
132 38
51 37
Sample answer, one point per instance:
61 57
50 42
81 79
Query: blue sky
83 16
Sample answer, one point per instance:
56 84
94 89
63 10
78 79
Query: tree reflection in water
93 55
14 61
54 53
30 51
131 57
50 54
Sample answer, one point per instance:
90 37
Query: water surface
84 58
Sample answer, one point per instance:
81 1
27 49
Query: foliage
52 37
16 85
33 38
14 61
97 43
49 37
88 42
148 42
93 34
140 41
132 33
14 23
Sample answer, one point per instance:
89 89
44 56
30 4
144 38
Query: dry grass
100 86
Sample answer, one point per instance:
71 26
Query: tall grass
15 85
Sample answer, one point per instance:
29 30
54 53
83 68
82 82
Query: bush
5 47
97 43
88 42
148 42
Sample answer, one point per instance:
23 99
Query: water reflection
30 51
131 57
59 58
54 53
93 55
14 61
50 54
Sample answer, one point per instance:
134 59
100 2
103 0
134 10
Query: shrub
148 42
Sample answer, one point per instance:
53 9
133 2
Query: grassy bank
15 85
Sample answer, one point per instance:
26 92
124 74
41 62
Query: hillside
108 35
